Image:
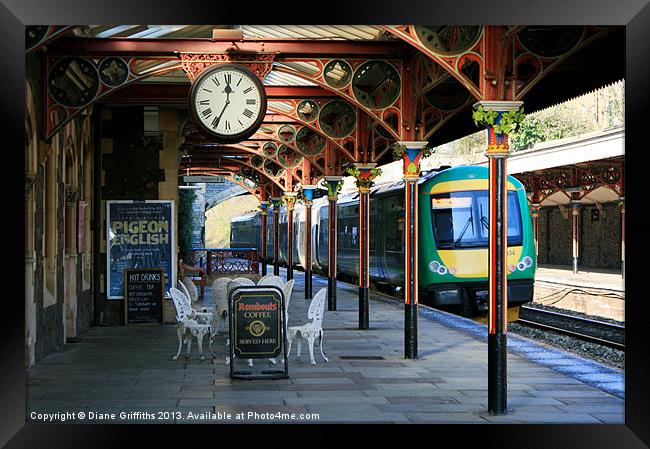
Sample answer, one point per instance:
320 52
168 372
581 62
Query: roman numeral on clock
248 113
204 102
227 127
250 101
248 89
206 113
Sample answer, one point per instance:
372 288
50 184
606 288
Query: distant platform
595 292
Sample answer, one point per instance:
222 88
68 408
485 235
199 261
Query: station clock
227 103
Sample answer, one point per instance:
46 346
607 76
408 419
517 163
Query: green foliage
185 223
483 117
363 182
530 132
509 122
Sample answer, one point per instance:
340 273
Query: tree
185 223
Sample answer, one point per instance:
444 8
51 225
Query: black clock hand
216 121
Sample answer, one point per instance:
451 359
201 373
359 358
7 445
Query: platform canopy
337 94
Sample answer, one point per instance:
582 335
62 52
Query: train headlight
434 265
442 269
528 261
521 266
512 268
452 271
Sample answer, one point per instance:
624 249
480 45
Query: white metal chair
271 279
188 294
220 299
189 322
310 331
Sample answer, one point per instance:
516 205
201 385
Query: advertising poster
140 234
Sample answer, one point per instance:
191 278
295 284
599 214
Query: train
453 238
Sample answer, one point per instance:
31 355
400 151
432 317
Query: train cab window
460 219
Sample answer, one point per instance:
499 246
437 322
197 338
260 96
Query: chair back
317 308
181 304
287 289
220 294
272 280
193 293
183 289
239 282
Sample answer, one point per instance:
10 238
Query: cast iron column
364 182
332 183
277 202
264 205
308 197
534 212
575 212
497 153
411 165
290 199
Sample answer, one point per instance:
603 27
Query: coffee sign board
256 324
143 296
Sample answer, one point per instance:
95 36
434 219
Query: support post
365 173
534 212
307 199
290 199
497 153
333 183
277 203
575 212
411 156
264 206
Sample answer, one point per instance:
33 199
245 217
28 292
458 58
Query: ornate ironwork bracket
259 63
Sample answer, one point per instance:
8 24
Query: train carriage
453 238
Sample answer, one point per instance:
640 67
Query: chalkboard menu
143 296
257 322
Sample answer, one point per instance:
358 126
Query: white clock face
228 101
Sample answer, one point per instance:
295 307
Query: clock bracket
195 63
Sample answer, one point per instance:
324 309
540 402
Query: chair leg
310 339
321 347
250 362
189 347
210 341
199 340
299 347
288 348
179 331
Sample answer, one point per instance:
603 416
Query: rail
225 260
601 332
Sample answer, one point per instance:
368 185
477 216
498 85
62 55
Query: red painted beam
176 94
171 47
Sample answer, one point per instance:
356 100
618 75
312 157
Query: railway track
607 334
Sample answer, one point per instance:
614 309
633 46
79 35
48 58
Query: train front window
461 219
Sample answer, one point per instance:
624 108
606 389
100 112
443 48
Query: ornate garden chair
189 322
190 291
310 331
220 299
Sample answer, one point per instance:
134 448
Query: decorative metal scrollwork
611 174
309 142
376 84
448 39
337 119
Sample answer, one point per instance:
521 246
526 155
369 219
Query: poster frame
173 250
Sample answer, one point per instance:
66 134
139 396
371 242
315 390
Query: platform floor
586 277
129 369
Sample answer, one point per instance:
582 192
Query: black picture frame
633 14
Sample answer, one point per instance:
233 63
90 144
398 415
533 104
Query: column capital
264 206
290 199
333 184
365 175
498 106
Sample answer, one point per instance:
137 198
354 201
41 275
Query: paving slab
129 369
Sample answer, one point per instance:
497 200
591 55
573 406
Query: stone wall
137 167
600 237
